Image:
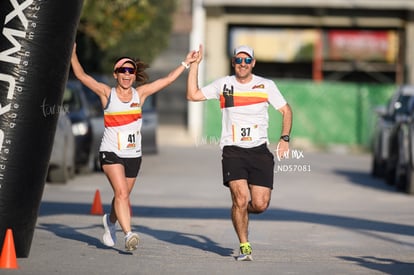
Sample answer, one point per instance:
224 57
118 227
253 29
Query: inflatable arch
36 43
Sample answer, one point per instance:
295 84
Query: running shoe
245 253
109 236
131 241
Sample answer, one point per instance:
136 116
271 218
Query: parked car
408 183
396 155
402 151
149 126
77 106
386 119
62 159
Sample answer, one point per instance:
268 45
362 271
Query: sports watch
285 138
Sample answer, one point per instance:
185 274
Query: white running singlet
244 109
123 121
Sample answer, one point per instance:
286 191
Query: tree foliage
112 28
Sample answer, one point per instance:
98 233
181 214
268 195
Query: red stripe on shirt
242 101
120 119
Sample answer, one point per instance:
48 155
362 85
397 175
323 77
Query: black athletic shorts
131 165
256 165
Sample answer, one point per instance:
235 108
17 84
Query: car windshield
149 104
71 100
95 106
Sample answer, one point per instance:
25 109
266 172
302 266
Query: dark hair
141 75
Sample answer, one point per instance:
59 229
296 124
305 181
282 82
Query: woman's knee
121 194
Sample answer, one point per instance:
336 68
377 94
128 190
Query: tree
112 28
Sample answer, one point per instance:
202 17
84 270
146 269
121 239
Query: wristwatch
285 138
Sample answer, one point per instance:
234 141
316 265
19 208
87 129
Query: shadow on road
193 240
365 179
272 214
387 266
372 228
74 233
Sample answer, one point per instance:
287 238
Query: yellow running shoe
245 252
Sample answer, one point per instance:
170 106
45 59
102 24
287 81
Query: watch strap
285 138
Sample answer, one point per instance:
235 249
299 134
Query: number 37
245 132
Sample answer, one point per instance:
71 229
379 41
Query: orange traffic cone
8 253
96 208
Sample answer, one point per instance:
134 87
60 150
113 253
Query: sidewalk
174 135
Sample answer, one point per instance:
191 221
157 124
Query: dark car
149 126
402 151
77 106
385 125
396 156
408 183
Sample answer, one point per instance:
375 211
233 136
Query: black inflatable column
36 43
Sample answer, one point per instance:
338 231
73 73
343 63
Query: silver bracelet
185 65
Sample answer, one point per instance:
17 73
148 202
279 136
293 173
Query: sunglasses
239 60
124 70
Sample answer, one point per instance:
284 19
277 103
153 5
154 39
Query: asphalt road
327 216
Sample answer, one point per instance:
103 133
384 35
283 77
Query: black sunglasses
123 70
239 60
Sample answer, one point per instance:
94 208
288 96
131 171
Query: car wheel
59 174
71 169
97 164
409 184
391 176
89 166
409 177
377 169
390 170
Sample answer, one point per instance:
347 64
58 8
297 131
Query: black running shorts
256 165
131 165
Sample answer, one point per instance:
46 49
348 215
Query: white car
62 158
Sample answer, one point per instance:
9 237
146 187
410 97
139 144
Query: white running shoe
131 241
109 236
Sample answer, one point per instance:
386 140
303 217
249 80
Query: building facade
356 40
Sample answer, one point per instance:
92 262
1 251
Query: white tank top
123 121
